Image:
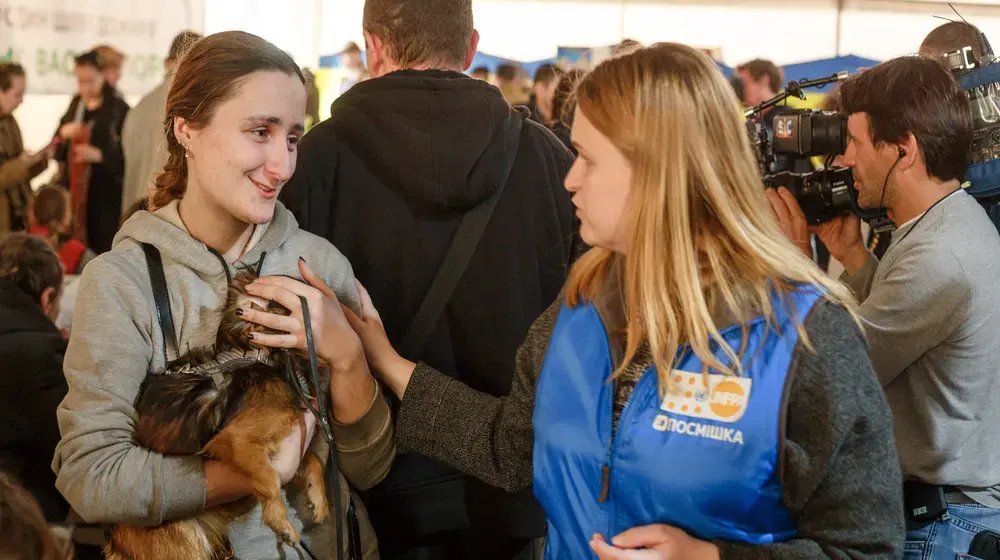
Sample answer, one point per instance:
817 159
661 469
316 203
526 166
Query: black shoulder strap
463 245
161 297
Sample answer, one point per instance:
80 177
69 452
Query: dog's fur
182 412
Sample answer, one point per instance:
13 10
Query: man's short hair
181 43
919 96
507 72
8 70
759 68
90 58
31 263
547 73
950 37
428 32
480 70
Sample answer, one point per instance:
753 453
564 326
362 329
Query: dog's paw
275 516
315 487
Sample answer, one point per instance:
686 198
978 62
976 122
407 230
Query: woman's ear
182 130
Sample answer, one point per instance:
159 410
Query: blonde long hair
700 231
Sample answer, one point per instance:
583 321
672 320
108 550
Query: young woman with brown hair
702 390
235 113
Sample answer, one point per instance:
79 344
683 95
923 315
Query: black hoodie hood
426 133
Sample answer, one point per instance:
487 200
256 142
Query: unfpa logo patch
725 398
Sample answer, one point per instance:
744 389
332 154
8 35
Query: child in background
51 218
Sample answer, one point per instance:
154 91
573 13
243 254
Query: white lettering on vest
664 423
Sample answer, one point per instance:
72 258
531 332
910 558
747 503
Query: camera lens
829 133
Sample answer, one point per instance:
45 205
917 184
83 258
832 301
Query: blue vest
704 459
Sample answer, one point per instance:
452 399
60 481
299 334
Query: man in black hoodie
388 179
31 378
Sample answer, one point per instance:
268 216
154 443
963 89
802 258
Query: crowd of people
565 321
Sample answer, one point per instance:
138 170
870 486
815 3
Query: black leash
321 410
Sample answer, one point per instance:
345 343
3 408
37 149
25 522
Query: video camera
825 193
980 78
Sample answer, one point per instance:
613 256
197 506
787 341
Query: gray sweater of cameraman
931 309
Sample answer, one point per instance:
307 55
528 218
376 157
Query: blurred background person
143 136
17 167
112 62
51 219
481 73
312 98
626 46
92 163
564 105
542 91
510 80
356 70
32 383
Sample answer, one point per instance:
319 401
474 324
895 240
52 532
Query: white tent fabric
786 31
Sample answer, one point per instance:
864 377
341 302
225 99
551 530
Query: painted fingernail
239 312
249 337
303 260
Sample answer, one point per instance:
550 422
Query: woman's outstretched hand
336 342
394 370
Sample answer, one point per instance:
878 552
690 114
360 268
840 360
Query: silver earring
187 154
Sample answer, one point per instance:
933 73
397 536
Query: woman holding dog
701 390
235 112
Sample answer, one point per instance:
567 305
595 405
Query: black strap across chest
463 246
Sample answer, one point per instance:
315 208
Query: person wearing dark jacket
31 378
91 131
388 179
701 390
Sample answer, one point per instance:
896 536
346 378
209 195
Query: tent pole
621 20
840 17
317 32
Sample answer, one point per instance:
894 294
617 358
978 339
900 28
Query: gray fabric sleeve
841 477
103 474
922 299
861 281
484 436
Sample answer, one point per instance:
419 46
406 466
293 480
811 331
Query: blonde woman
702 390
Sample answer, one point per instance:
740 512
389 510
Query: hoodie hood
427 133
176 244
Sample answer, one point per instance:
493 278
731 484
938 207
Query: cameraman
931 308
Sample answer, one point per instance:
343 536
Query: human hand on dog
335 341
352 388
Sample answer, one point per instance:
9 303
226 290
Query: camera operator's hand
842 236
791 218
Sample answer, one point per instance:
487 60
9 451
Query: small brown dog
233 403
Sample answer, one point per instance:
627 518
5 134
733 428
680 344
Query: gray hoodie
116 340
